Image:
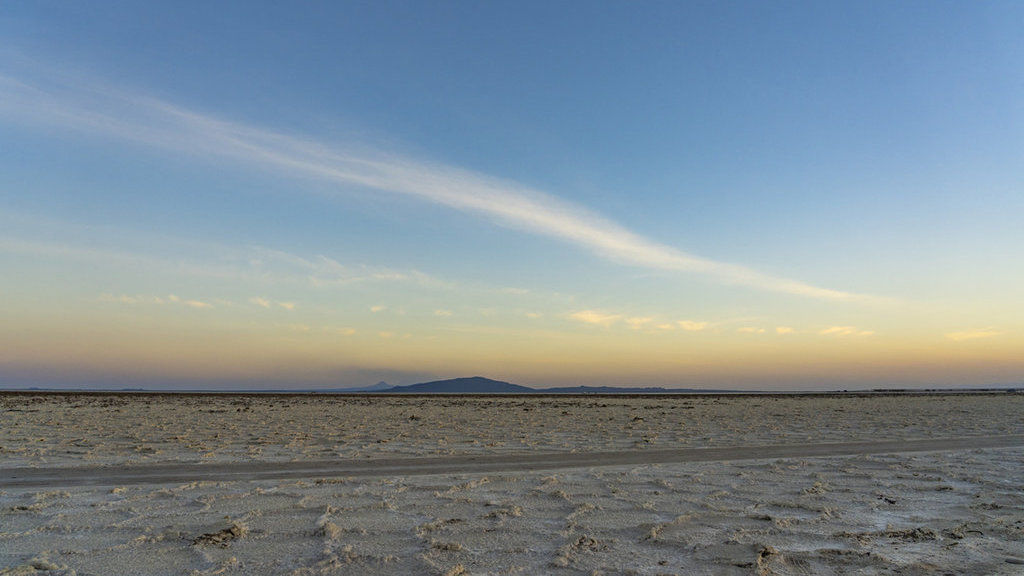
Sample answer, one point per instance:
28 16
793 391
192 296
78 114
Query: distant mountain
609 390
474 385
481 385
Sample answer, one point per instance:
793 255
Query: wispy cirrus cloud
130 300
595 317
646 323
973 334
269 304
260 302
159 301
243 264
198 304
638 322
96 109
845 331
341 331
326 272
691 326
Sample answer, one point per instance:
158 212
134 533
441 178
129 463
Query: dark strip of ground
468 463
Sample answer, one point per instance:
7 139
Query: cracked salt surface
959 512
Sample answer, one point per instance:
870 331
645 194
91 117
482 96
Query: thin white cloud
156 300
243 263
973 334
197 304
845 331
441 313
750 330
784 330
268 303
691 326
378 308
595 317
122 299
89 107
324 272
138 299
638 322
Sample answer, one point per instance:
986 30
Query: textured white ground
943 512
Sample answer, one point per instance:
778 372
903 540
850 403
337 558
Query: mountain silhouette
473 385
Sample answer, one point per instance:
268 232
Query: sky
745 195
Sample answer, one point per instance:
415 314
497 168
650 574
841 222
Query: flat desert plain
914 484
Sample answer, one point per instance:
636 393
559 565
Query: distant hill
481 385
611 390
474 385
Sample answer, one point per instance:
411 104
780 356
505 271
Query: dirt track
468 464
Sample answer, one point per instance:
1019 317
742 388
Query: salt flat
63 477
928 484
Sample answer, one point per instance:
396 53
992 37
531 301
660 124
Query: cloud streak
268 303
845 331
973 334
691 326
172 298
595 317
94 109
243 264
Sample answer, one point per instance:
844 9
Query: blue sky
788 195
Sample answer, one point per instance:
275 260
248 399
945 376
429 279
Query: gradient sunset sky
750 195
